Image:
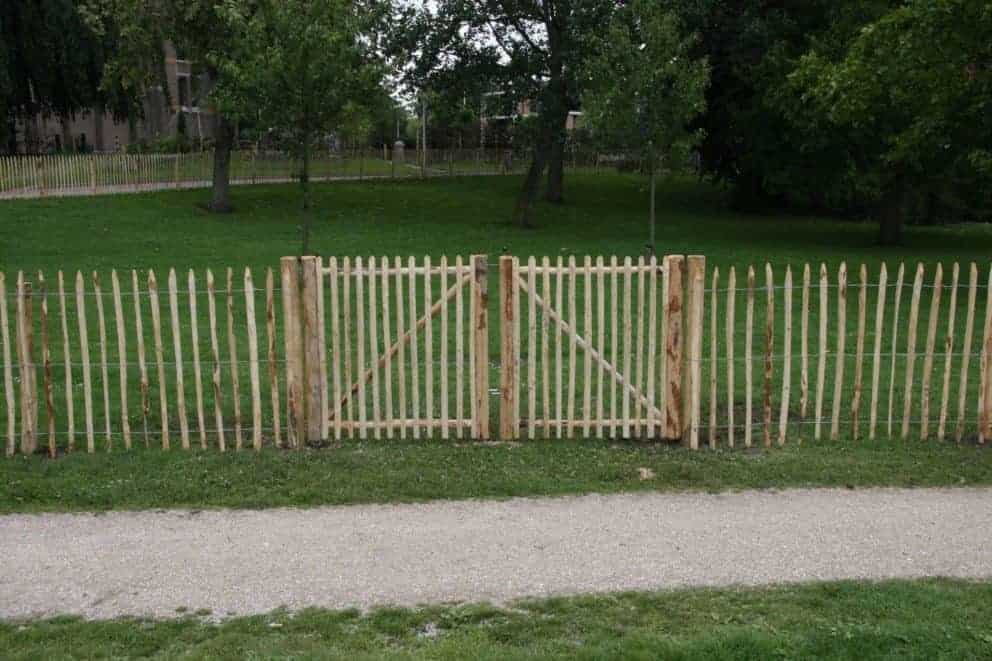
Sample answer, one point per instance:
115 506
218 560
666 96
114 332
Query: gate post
313 344
674 266
480 338
695 289
292 334
508 423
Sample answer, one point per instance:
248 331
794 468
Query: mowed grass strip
385 472
920 620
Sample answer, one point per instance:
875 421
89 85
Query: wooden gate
602 349
385 348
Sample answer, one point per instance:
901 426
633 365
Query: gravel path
239 562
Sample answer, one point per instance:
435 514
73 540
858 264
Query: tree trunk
556 171
556 110
305 189
220 201
654 190
892 213
523 214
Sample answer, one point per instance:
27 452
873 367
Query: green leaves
643 87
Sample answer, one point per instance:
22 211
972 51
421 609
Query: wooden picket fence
357 348
97 174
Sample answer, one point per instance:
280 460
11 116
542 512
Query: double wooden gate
387 348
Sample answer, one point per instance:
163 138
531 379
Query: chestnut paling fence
331 349
98 174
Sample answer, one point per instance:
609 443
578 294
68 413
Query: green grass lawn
933 619
604 214
385 472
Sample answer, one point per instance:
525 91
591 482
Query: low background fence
94 174
321 350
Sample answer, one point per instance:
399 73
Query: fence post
695 290
313 340
25 351
508 424
480 336
292 334
674 266
93 172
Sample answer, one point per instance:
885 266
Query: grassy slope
906 620
363 472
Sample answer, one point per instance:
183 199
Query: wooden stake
29 395
84 345
459 349
374 348
841 342
445 393
159 357
216 371
876 372
253 374
966 349
587 372
652 344
627 339
938 285
401 357
414 350
178 348
428 352
695 302
546 352
731 335
714 353
895 338
859 353
638 375
749 361
985 390
232 353
333 277
821 369
531 348
675 267
293 340
572 347
46 358
360 343
508 425
948 353
559 298
614 344
769 350
914 315
142 366
197 372
783 418
121 356
387 358
8 377
480 339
